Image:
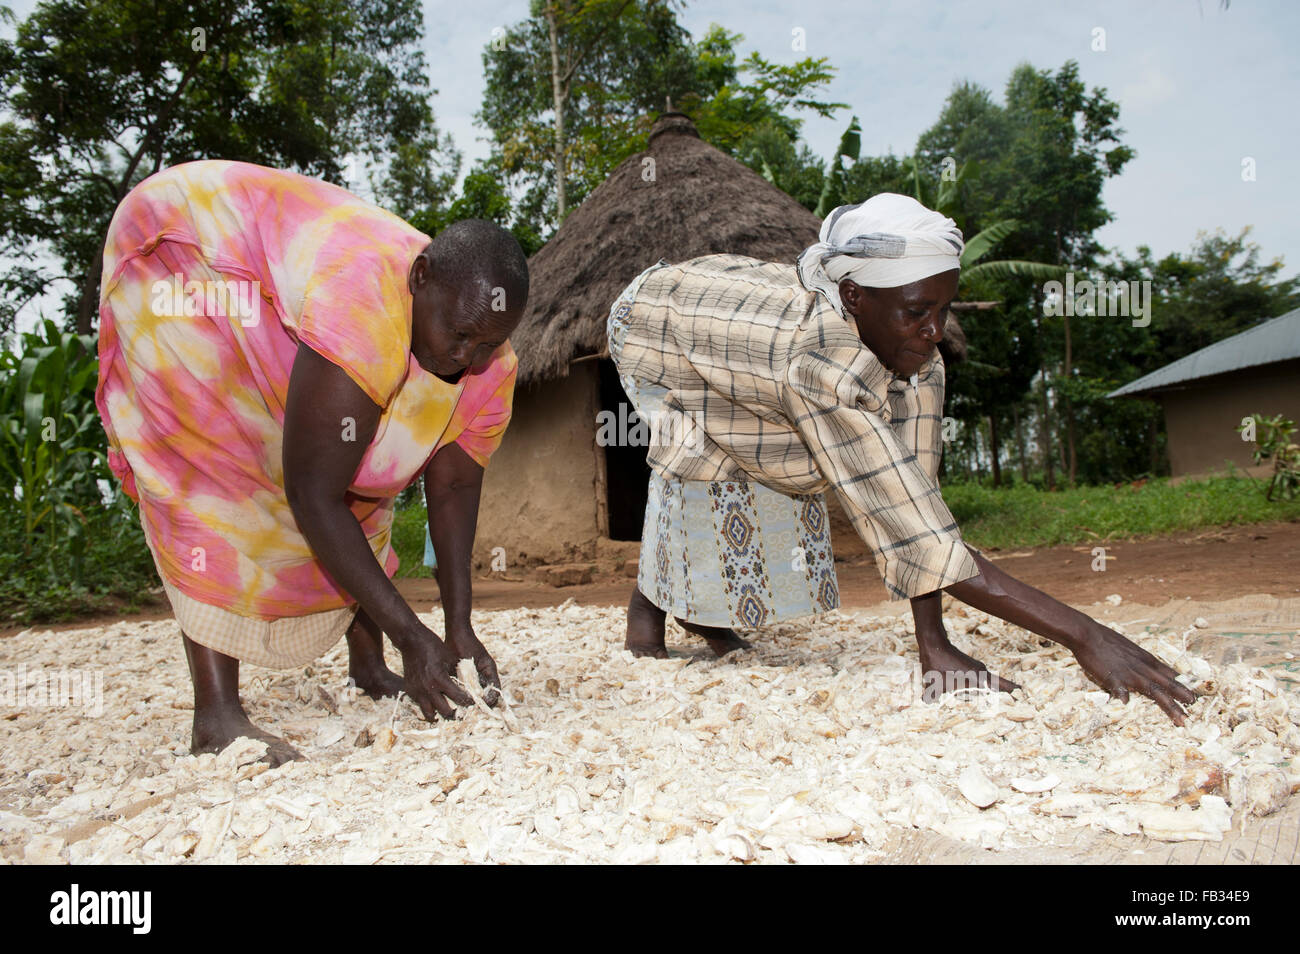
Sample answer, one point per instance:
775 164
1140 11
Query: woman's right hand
428 668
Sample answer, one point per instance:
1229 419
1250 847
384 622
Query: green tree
1218 290
972 132
620 76
1065 142
98 94
568 90
482 197
871 175
728 113
1023 180
793 168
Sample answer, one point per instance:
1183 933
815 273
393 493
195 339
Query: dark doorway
626 470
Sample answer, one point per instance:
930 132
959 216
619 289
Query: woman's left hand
1119 665
1116 664
465 644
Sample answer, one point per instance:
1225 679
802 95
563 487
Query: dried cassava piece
1207 822
976 788
1032 786
1266 791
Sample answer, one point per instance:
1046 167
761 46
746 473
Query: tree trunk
1045 432
1152 438
1045 439
996 449
1020 442
1060 456
89 292
1072 462
558 98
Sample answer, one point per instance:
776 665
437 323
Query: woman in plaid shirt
765 384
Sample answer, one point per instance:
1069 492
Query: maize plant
52 446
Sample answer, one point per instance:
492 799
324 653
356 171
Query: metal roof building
1208 393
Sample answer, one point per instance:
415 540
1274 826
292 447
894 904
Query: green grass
55 583
1013 518
1023 516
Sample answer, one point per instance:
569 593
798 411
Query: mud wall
539 492
1202 419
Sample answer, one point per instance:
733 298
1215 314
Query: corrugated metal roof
1273 341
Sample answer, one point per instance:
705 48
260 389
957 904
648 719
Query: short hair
475 254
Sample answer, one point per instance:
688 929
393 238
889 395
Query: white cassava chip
976 788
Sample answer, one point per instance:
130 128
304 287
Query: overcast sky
1201 89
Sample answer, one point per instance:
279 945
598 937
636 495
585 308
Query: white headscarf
887 241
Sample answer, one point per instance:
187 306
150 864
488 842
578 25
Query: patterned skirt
735 554
728 553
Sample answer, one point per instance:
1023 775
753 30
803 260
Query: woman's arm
1110 660
453 484
328 424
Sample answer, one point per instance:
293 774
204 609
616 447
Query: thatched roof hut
679 199
551 491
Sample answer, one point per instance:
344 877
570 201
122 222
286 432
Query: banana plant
833 189
983 241
946 200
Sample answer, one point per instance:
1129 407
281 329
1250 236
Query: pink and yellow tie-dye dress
213 273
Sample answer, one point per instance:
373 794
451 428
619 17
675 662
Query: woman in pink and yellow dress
278 360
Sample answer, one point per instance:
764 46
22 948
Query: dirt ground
1216 564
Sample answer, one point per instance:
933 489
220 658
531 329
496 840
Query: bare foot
645 631
213 731
720 639
945 668
219 716
645 628
377 683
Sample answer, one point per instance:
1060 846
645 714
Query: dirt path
1215 564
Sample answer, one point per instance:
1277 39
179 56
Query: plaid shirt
771 384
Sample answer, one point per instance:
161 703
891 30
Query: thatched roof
692 200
